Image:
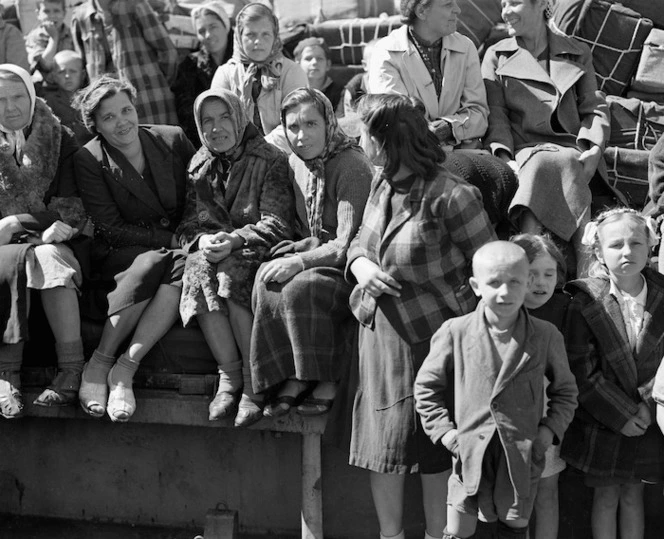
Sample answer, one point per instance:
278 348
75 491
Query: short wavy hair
88 100
399 125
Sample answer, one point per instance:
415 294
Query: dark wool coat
613 379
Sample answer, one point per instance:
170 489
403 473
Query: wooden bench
167 407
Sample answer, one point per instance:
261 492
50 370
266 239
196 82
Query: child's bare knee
607 497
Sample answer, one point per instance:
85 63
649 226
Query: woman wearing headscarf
239 204
302 321
195 72
258 72
40 212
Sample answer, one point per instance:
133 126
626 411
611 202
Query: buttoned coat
426 246
141 50
124 209
509 404
613 379
524 99
396 67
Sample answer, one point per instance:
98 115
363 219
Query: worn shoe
223 405
63 391
11 399
93 393
249 412
121 401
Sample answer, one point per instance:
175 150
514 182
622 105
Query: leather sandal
11 399
63 391
313 406
281 404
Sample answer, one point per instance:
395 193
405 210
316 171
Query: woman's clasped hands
372 279
218 246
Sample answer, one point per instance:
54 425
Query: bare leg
546 508
460 524
632 523
61 309
157 318
119 326
388 493
434 498
605 512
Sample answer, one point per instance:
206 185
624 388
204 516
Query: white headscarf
12 142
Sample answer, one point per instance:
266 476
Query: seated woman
195 72
258 72
548 119
410 260
239 204
39 213
132 181
428 59
302 321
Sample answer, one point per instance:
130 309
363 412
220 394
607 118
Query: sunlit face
257 39
116 121
212 33
14 105
306 130
68 74
502 284
544 277
315 64
522 16
217 126
623 247
440 17
51 12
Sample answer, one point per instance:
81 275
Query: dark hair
398 123
311 42
62 3
88 100
536 246
301 96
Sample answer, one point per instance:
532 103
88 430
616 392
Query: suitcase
650 73
628 172
614 33
635 124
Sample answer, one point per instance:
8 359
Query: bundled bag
477 19
628 172
635 124
650 9
614 33
650 73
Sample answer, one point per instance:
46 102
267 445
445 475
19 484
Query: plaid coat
140 50
613 379
427 247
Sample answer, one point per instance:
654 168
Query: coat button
494 405
164 222
482 436
203 215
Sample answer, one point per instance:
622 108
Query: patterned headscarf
214 6
12 142
336 141
236 110
268 71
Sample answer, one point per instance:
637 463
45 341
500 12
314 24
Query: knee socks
11 357
70 356
400 535
97 370
124 370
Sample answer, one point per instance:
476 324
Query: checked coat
139 50
427 246
613 379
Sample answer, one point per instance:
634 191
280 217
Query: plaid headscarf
336 141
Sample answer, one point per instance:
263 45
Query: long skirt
552 187
302 328
387 433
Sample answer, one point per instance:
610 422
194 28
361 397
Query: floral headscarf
267 71
235 108
12 142
336 141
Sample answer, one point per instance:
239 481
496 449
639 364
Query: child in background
67 77
613 331
48 38
313 55
12 44
358 85
495 359
546 301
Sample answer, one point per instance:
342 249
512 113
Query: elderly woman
195 72
258 72
410 261
39 214
239 204
547 119
301 317
132 181
428 59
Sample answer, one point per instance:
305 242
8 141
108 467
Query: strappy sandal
281 404
11 399
63 391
